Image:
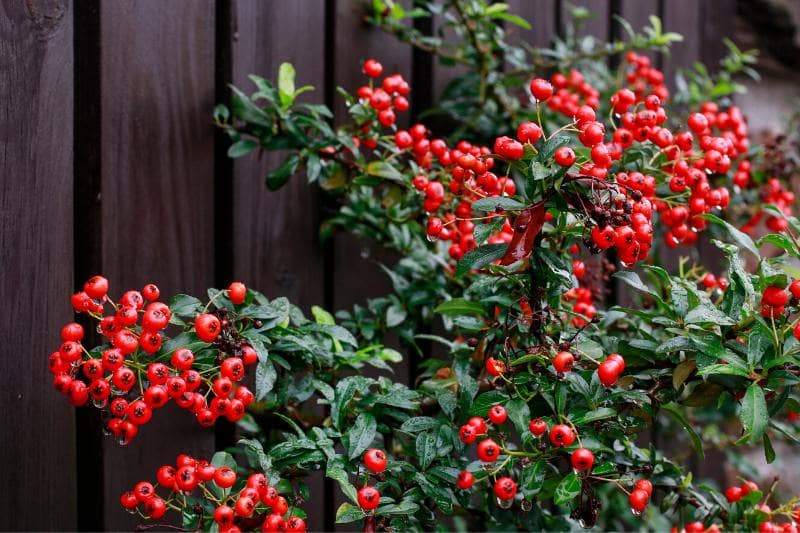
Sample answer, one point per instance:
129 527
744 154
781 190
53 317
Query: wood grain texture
597 25
157 91
37 449
276 246
682 16
276 234
541 14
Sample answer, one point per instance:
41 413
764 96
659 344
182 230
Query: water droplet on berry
583 524
99 403
122 441
636 513
107 432
131 511
432 238
526 505
504 504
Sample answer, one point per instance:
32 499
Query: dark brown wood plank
275 234
276 246
37 450
682 16
541 14
597 25
356 277
157 191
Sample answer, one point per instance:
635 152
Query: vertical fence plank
38 443
157 91
275 235
541 14
682 16
597 25
357 277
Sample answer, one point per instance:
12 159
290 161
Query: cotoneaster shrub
542 407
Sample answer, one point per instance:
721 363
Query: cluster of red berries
133 329
608 371
643 79
390 96
775 193
710 282
774 300
368 496
255 504
640 496
566 94
582 304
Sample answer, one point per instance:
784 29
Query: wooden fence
110 164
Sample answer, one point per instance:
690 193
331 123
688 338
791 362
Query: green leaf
677 414
498 203
395 315
336 472
769 451
406 507
480 257
347 513
682 372
520 414
592 416
241 148
567 490
361 435
381 169
286 75
419 423
278 177
265 378
185 305
459 307
753 414
632 279
740 238
426 449
708 314
533 476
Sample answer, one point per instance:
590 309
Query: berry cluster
567 94
368 496
237 504
390 96
773 192
774 300
130 378
643 79
491 447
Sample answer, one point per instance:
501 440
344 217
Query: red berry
465 480
208 327
128 500
644 485
563 361
562 435
372 68
155 508
182 359
232 368
733 494
224 516
74 332
498 415
375 460
794 288
488 451
775 296
638 500
237 292
564 156
479 424
505 488
224 477
96 288
143 491
608 372
369 498
151 292
582 459
748 487
466 433
166 476
494 367
541 89
244 506
274 523
537 426
295 524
